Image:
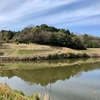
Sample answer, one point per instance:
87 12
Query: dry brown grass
34 50
13 49
93 52
7 94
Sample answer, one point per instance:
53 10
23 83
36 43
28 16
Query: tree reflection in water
49 75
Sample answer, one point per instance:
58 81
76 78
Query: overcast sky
79 16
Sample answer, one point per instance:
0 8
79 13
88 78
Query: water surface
74 82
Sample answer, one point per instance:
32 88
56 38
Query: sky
78 16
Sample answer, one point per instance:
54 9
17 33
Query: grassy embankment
25 52
7 94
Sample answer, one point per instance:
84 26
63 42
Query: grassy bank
25 52
7 94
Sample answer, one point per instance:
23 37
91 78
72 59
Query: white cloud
30 6
77 17
15 11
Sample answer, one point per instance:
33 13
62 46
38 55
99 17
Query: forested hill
50 35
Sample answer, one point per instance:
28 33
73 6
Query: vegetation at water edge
7 94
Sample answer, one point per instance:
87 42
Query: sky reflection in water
78 82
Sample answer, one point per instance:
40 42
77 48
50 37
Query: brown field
32 50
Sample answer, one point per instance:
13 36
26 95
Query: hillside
46 42
49 35
29 52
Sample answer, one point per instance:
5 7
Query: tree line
50 35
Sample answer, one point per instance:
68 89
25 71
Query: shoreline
31 52
48 57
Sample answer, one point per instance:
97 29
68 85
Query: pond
72 82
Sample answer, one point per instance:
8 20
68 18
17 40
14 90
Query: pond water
74 82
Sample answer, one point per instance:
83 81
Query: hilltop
49 35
